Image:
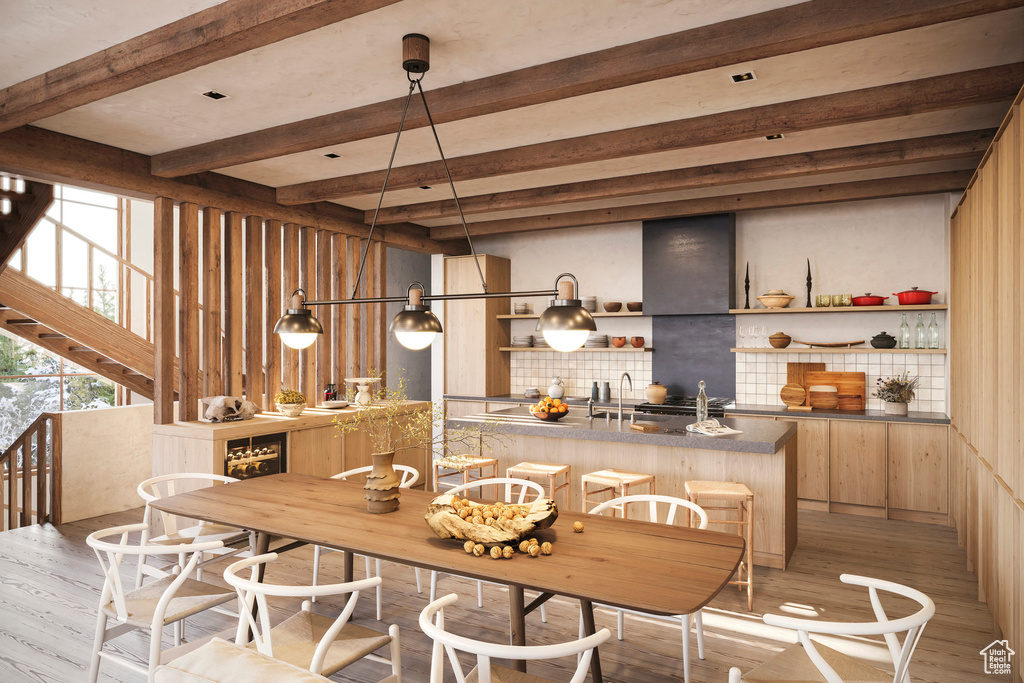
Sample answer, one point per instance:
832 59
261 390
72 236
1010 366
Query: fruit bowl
549 409
549 417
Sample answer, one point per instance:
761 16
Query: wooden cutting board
796 374
794 396
851 386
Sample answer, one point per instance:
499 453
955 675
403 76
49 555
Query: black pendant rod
434 297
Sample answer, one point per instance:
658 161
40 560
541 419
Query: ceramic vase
892 408
363 396
557 388
382 484
656 393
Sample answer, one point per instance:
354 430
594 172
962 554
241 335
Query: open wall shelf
535 316
529 349
840 309
805 349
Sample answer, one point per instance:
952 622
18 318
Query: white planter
895 408
291 409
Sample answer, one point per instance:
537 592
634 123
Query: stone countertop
873 415
758 436
571 400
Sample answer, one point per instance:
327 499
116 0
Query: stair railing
31 472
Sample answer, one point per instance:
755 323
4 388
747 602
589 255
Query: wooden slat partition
379 330
253 236
290 282
31 488
213 379
353 314
324 345
307 281
339 316
987 376
188 312
234 299
272 309
163 310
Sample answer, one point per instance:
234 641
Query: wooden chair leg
750 554
97 645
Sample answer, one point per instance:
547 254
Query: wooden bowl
823 397
635 306
618 342
637 342
780 340
612 306
549 417
775 300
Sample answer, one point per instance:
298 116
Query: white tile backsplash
761 376
579 369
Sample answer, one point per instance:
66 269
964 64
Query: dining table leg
589 629
517 621
349 562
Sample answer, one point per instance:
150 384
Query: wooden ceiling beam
949 181
799 27
31 206
54 157
892 153
950 91
222 31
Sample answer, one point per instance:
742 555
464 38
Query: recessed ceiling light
214 95
332 155
425 187
745 76
774 136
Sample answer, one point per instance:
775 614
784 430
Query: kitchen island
763 456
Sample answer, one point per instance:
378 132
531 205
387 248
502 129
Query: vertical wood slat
213 379
12 489
368 313
353 314
307 281
56 470
234 299
325 344
41 450
338 313
163 311
188 312
272 292
253 237
380 316
290 282
26 480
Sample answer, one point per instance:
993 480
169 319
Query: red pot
869 300
914 297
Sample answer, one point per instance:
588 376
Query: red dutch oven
914 297
869 300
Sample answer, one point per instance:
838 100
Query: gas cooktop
684 405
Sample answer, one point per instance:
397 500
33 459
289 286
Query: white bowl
335 404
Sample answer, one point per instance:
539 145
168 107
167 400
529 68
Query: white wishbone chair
183 530
432 624
410 475
320 644
672 506
167 600
807 660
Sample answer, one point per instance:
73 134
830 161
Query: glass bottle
933 334
702 403
920 335
904 333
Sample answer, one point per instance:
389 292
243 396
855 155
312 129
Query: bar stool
534 470
618 482
743 499
464 465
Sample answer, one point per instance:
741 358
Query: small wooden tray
644 427
831 345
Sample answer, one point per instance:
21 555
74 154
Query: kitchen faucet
625 375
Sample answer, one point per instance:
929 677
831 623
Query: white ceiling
357 62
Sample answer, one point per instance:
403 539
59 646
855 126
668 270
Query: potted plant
897 392
290 402
390 428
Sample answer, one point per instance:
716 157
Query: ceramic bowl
618 342
635 306
637 342
612 306
291 409
780 340
772 300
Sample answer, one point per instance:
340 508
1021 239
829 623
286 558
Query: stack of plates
540 342
590 303
521 309
522 342
596 341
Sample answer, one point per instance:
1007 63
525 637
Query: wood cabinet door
316 451
812 457
473 333
918 472
857 462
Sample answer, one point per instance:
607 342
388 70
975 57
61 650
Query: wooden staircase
26 209
40 315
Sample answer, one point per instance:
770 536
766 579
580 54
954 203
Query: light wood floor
50 581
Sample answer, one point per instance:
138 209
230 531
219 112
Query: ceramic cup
824 301
618 342
637 342
837 300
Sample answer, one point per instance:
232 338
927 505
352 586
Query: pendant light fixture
565 325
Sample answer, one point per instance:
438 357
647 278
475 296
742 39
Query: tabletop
654 568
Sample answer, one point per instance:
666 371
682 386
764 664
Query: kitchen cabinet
918 468
318 451
857 460
474 334
812 458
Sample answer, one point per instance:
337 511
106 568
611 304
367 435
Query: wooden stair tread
22 321
52 335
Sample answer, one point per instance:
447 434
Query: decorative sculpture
229 408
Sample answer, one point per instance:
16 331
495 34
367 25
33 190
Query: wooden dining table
656 568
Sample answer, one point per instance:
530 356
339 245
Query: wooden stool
743 497
526 470
618 482
464 465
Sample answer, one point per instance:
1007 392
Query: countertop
874 415
758 436
519 398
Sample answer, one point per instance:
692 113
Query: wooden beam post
307 281
234 299
354 315
339 314
213 378
380 311
253 236
272 291
323 291
290 279
188 312
163 311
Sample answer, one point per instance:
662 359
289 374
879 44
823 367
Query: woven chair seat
219 661
295 640
611 477
500 674
546 469
209 532
192 597
718 490
465 462
792 665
